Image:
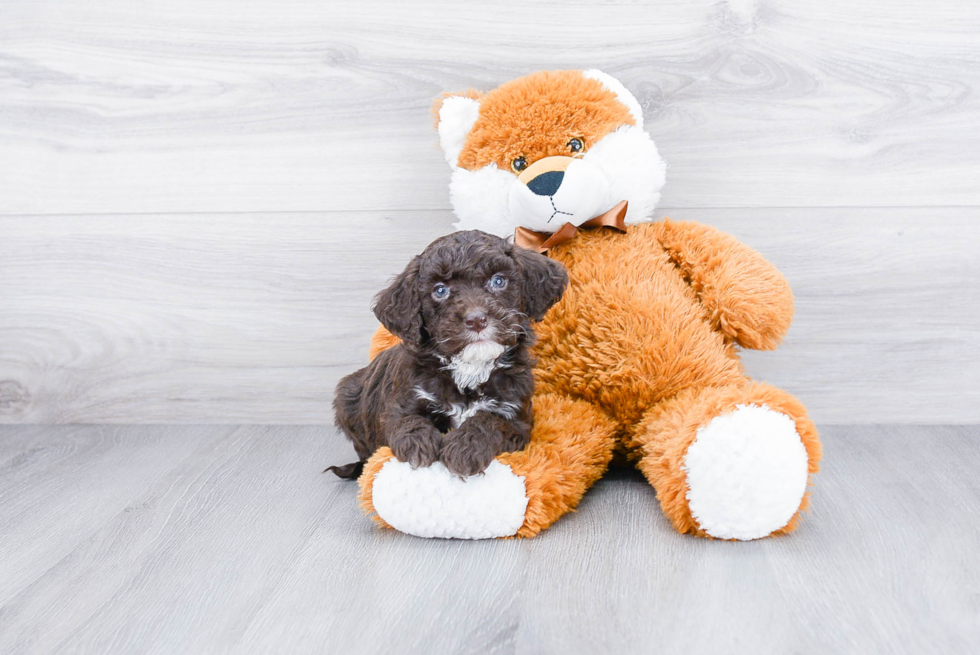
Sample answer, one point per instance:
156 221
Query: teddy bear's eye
519 164
576 145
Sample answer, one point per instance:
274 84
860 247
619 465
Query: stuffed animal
639 361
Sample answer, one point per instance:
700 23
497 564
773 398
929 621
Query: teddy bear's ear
622 94
455 115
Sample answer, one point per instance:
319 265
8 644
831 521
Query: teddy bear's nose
546 184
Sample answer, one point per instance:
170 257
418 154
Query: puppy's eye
519 164
576 145
440 292
498 282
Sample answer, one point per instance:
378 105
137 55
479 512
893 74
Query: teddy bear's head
550 148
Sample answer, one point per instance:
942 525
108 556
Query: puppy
458 388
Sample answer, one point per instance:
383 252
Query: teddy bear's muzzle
542 174
557 190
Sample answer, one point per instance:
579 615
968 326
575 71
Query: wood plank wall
198 200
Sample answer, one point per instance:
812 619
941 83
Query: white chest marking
459 412
474 364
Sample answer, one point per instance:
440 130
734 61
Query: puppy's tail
348 471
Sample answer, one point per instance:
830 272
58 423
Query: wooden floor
156 539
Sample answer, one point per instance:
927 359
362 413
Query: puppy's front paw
467 452
418 446
517 440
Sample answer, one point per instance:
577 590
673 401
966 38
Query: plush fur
457 389
535 117
640 356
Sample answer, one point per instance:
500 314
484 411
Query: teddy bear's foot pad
432 502
746 472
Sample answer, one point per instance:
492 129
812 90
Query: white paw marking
746 473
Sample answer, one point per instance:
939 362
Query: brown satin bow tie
543 241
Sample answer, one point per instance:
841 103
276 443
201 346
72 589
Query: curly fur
451 391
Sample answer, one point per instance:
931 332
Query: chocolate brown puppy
458 388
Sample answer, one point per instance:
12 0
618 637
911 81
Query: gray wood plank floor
158 539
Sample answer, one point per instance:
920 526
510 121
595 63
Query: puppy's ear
543 281
399 308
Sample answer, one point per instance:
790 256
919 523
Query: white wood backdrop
198 199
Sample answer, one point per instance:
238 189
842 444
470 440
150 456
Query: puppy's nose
546 184
475 321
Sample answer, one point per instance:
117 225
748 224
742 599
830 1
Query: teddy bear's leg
571 447
730 462
521 493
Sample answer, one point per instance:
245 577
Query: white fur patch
422 394
581 196
746 473
457 115
458 413
432 502
622 93
479 199
629 159
473 365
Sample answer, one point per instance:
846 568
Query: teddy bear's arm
748 300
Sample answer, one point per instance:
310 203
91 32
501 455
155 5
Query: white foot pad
432 502
746 473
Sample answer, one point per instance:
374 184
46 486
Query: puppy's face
470 291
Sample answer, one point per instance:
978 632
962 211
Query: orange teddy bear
639 360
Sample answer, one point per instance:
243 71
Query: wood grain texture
255 317
157 539
304 105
